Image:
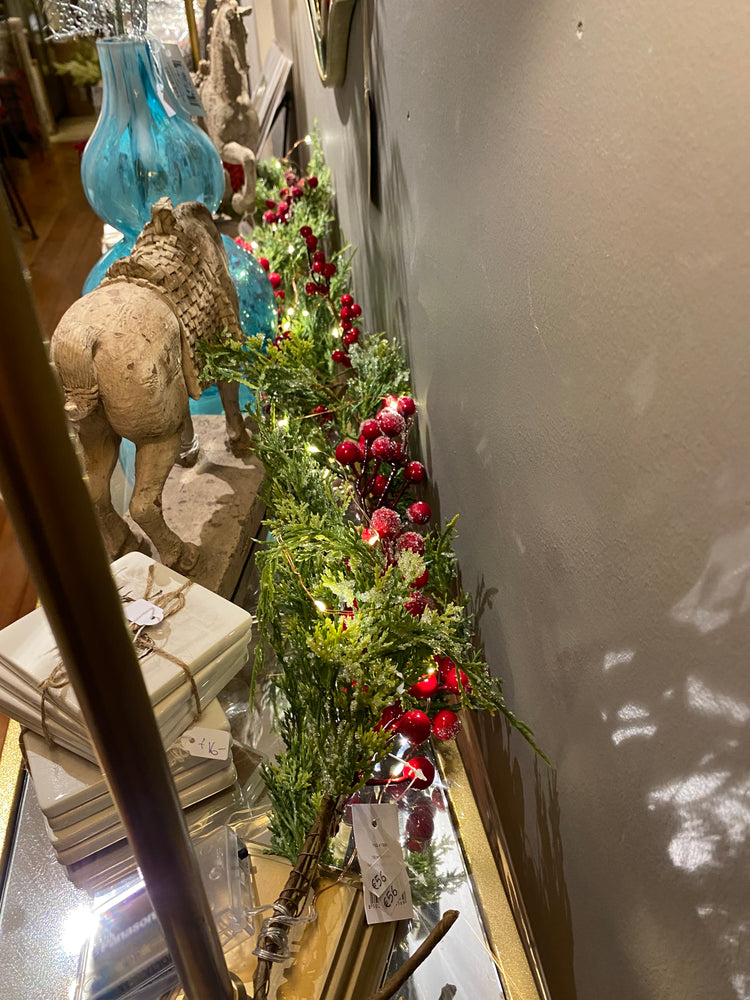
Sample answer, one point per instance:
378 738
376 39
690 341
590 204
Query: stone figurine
125 355
231 119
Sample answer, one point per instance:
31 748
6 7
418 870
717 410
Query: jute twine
170 603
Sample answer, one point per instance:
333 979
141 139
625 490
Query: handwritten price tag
210 743
387 894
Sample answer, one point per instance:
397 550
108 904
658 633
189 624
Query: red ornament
414 726
386 522
415 472
425 687
356 310
346 299
347 452
419 512
412 770
446 725
264 263
275 279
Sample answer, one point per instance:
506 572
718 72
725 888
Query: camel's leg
189 444
243 201
100 446
153 462
237 437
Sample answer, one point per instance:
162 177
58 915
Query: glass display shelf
45 919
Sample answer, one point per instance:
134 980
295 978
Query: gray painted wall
563 243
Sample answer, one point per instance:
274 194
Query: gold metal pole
195 49
53 516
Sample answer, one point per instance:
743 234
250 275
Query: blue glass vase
141 150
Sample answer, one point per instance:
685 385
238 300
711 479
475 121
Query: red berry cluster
321 270
349 313
381 466
281 212
439 689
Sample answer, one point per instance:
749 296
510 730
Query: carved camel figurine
125 355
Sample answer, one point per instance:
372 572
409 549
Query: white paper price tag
210 743
387 894
181 81
142 612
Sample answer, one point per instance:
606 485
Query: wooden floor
68 245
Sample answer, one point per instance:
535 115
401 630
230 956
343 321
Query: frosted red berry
410 541
384 449
446 725
415 604
338 356
415 472
369 430
391 423
419 512
406 406
386 522
346 299
311 242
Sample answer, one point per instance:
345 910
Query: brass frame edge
518 975
11 775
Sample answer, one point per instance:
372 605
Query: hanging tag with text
180 80
210 743
387 893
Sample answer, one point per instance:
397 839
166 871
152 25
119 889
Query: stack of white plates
80 815
208 636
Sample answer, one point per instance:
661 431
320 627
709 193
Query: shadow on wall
486 748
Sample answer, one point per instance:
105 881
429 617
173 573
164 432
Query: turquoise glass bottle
143 149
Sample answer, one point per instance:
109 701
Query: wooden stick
411 965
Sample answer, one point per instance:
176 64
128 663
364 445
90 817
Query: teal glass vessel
143 148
